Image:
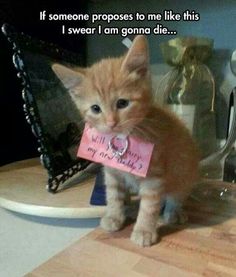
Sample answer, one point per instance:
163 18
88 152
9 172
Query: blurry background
217 21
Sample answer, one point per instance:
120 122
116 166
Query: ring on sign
118 145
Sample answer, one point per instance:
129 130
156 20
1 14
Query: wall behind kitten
217 20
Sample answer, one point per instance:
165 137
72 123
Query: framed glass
48 107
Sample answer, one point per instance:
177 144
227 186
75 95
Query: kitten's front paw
144 238
112 224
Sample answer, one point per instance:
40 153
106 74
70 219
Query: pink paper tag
94 146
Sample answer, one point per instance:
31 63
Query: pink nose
111 123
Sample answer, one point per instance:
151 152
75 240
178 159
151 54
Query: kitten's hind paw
112 224
177 217
144 238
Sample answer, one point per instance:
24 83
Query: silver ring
115 151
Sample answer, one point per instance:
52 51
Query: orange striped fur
174 164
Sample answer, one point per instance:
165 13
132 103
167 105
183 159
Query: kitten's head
112 95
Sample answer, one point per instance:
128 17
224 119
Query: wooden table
205 246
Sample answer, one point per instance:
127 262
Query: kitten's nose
111 120
111 123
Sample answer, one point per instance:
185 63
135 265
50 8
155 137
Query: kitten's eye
96 109
122 103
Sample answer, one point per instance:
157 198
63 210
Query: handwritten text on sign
94 146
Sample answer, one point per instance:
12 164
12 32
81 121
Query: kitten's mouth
115 130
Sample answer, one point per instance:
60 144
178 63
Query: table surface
205 246
23 189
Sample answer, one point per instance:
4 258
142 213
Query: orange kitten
114 95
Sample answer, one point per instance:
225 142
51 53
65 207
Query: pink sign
96 147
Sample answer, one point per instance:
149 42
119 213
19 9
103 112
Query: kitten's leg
145 233
115 193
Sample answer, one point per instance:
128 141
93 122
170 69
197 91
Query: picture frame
54 119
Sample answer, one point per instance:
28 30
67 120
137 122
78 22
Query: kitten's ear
69 77
137 58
